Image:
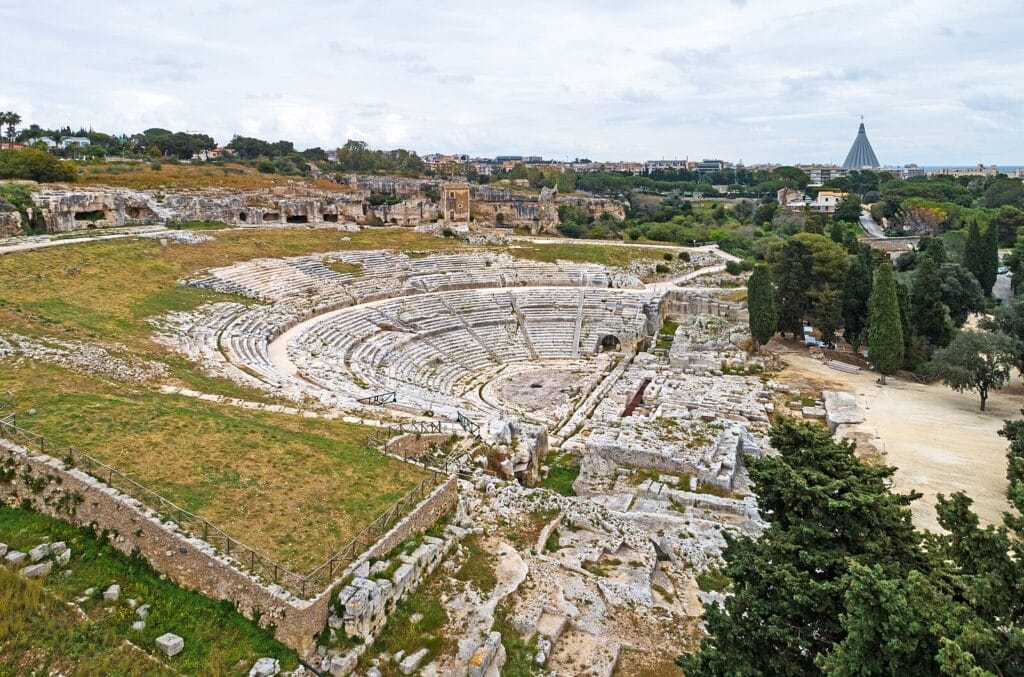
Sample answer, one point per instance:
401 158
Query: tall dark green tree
837 233
960 292
885 338
764 317
856 292
927 312
792 277
989 260
974 252
828 314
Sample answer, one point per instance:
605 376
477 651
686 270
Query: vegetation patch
41 634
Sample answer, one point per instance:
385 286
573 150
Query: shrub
733 267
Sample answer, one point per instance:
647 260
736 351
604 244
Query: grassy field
294 488
583 252
140 176
41 634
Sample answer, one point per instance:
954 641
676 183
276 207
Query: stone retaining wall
76 497
414 445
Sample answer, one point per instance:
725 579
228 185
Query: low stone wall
72 495
414 445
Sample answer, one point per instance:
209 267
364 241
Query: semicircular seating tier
434 328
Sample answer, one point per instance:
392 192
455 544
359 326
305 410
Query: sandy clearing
936 438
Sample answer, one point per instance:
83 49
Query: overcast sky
937 81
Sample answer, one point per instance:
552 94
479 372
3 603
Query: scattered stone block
170 644
411 663
37 570
113 593
143 611
816 413
15 557
63 557
3 549
39 552
265 667
342 665
139 626
58 547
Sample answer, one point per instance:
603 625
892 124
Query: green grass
401 634
198 225
295 488
616 256
519 654
39 632
479 566
561 476
713 580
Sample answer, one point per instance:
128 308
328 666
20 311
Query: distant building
655 165
710 166
861 155
822 174
794 200
980 170
455 202
69 141
50 143
907 171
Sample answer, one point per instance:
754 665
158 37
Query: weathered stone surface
170 644
412 662
484 657
139 626
113 593
842 408
265 667
63 558
3 549
58 547
37 570
15 557
39 552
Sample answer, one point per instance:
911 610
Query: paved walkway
869 225
45 241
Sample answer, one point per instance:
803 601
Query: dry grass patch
139 176
295 488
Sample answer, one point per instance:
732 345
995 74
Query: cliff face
10 220
63 209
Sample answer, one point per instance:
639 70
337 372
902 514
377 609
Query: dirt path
937 438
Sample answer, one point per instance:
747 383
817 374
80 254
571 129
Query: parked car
1002 270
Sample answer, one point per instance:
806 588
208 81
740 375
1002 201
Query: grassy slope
295 488
38 630
139 176
618 256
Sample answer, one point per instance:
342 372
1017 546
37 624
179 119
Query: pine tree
927 312
989 259
973 258
885 338
764 317
856 292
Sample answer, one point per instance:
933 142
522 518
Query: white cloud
763 81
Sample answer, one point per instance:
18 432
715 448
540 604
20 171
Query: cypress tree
927 312
856 292
764 316
837 232
828 311
989 259
973 252
885 338
792 282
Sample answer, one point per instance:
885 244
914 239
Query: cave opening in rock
297 218
331 218
271 216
